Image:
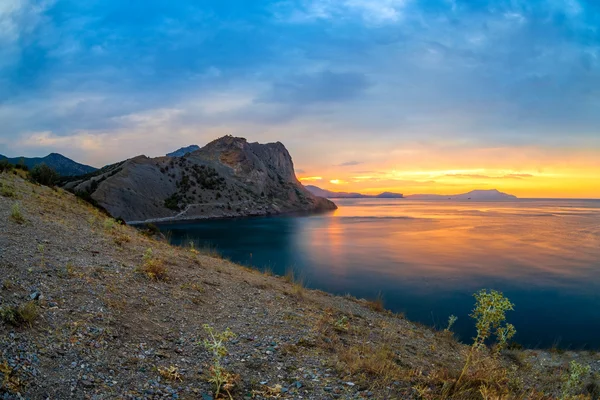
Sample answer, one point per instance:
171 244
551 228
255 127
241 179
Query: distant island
481 195
477 195
61 164
317 191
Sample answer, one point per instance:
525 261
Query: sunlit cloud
311 178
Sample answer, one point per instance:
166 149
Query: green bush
5 166
44 175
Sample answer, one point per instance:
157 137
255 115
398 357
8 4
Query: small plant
170 373
44 175
489 314
377 304
109 224
24 314
574 378
7 191
451 320
42 250
11 381
16 214
217 374
342 324
153 267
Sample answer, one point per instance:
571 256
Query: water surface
427 258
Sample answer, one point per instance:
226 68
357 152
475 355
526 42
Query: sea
426 259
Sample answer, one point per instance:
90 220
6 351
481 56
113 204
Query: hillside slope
61 164
229 177
99 327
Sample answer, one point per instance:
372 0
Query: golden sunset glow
527 172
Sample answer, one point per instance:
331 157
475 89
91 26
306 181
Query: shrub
16 215
5 166
154 268
574 378
24 314
489 314
44 175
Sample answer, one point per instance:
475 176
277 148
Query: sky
412 96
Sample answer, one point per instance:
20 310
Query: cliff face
228 177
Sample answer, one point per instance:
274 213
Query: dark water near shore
427 258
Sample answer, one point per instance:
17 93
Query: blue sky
339 82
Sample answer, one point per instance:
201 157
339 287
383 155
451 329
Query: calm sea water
427 258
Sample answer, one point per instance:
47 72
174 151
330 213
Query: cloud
479 176
322 87
375 12
349 163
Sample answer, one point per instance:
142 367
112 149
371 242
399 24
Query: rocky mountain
317 191
61 164
229 177
183 151
476 195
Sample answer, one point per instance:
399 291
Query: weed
377 304
11 381
574 378
342 324
489 313
16 214
109 224
24 314
153 267
170 373
217 374
451 320
7 191
41 250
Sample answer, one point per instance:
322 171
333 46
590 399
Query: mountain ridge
317 191
480 194
183 151
64 166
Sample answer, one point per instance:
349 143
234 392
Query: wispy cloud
349 163
376 12
479 176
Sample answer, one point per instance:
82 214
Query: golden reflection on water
529 241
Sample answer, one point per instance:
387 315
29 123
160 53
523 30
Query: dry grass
16 215
170 373
154 268
25 314
377 304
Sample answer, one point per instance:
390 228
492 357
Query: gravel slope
105 330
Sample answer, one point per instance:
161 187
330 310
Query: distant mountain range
61 164
183 151
317 191
482 195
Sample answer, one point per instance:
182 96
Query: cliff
228 177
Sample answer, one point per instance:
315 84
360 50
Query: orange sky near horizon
527 173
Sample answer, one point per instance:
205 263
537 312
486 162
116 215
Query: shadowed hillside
93 309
